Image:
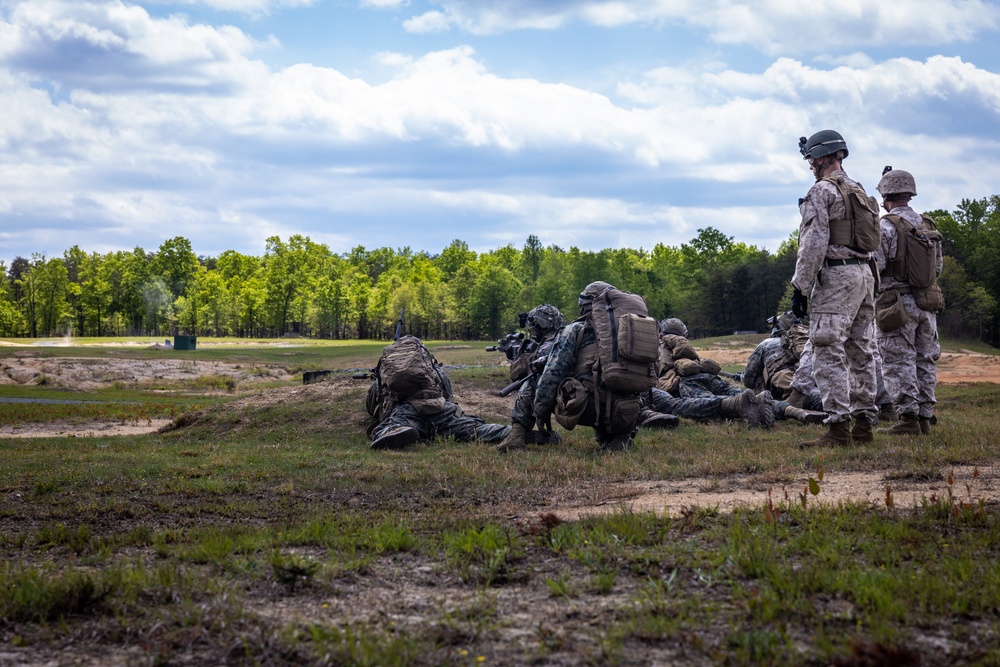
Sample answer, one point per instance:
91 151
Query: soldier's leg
862 351
928 351
899 362
689 408
454 423
404 426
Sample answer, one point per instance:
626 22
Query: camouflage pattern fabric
802 380
449 422
689 408
910 353
704 385
841 309
524 404
561 365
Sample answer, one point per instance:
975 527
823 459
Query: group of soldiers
861 346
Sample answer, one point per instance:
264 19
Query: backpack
793 340
916 251
408 370
859 228
627 342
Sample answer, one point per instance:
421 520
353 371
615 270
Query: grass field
265 532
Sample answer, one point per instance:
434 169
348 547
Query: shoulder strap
841 230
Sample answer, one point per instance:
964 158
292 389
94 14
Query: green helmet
543 319
823 143
591 292
896 182
674 326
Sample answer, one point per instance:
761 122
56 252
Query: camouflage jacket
561 363
822 204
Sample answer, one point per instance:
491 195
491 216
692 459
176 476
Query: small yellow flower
481 658
325 605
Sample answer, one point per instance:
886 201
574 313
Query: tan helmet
896 182
591 292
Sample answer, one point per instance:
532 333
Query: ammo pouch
624 413
571 402
669 381
686 367
929 298
889 311
710 366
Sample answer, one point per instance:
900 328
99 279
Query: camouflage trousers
524 405
909 356
450 422
805 384
689 408
841 314
706 385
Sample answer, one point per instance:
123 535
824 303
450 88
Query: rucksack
859 228
408 370
916 251
627 342
793 340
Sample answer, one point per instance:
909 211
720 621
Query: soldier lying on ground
409 399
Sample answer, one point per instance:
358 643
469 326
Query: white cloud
256 8
384 4
773 26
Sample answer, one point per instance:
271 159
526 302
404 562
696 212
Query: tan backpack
916 251
859 228
627 342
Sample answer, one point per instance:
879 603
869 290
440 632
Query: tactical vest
859 228
916 251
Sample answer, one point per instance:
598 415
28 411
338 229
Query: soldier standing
836 236
909 260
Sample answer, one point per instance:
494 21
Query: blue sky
589 123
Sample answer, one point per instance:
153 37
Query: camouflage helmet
544 318
823 143
672 325
591 292
896 181
782 323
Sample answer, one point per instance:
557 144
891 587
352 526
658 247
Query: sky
412 123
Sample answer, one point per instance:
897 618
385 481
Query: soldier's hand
800 303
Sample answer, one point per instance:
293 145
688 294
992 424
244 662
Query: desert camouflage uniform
451 421
753 375
562 365
841 309
910 353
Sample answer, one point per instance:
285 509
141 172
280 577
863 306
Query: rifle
738 377
536 367
399 324
513 345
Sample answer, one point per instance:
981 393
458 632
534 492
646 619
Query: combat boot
925 425
742 406
804 416
653 419
515 440
838 435
617 443
765 404
908 424
543 438
862 431
396 438
796 399
887 413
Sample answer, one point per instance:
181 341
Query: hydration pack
408 370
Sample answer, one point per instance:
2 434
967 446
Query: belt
843 262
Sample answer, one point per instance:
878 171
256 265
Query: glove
800 303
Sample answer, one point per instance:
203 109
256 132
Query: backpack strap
841 229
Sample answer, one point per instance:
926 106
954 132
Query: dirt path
674 497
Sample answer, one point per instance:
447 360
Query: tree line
301 288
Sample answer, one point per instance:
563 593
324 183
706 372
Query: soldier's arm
561 360
814 237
